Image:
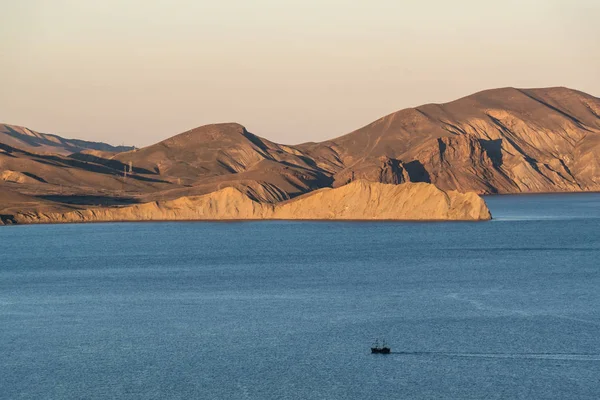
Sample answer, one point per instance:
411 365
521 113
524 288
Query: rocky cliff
360 200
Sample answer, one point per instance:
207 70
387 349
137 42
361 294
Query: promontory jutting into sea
498 141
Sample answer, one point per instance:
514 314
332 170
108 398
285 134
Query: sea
505 309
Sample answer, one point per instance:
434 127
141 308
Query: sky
135 72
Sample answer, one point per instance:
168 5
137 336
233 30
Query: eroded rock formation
359 200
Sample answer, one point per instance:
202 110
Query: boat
383 349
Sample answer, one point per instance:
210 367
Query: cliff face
367 200
359 200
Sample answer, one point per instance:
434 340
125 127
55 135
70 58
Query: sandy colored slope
359 200
367 200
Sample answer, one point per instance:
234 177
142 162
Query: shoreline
8 219
226 221
539 193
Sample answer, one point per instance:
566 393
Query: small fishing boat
383 349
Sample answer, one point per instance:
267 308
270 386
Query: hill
497 141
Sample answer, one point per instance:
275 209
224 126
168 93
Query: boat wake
534 356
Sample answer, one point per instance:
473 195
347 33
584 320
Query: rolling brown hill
208 158
497 141
55 172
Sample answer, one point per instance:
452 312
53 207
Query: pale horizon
137 72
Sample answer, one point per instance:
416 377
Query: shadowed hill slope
221 154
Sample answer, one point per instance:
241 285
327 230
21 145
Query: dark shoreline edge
226 221
540 193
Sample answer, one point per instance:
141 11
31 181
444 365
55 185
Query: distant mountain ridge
27 139
497 141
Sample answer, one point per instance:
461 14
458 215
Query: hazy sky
138 71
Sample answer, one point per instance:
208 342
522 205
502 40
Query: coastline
540 193
241 221
15 220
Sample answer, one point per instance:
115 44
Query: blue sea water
506 309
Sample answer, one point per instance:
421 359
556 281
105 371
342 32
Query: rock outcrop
360 200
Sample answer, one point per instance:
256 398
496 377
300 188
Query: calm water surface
287 310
